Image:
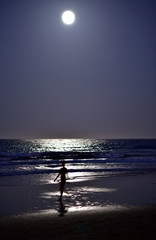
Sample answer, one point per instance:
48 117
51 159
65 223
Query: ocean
37 161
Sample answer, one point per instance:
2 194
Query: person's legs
62 184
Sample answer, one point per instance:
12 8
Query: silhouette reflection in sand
62 210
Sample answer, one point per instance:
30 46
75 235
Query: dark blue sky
96 78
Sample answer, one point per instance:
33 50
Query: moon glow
68 17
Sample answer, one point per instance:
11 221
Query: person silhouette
62 173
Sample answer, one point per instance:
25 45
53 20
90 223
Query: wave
79 161
54 163
70 155
144 147
117 170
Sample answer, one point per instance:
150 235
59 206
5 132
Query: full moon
68 17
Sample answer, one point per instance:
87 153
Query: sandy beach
135 223
109 208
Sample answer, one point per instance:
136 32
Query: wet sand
101 208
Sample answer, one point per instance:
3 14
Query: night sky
95 78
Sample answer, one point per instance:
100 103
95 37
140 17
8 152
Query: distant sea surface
38 161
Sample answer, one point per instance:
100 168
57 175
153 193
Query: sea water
38 161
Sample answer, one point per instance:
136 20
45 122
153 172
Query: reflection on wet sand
62 210
79 209
79 198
